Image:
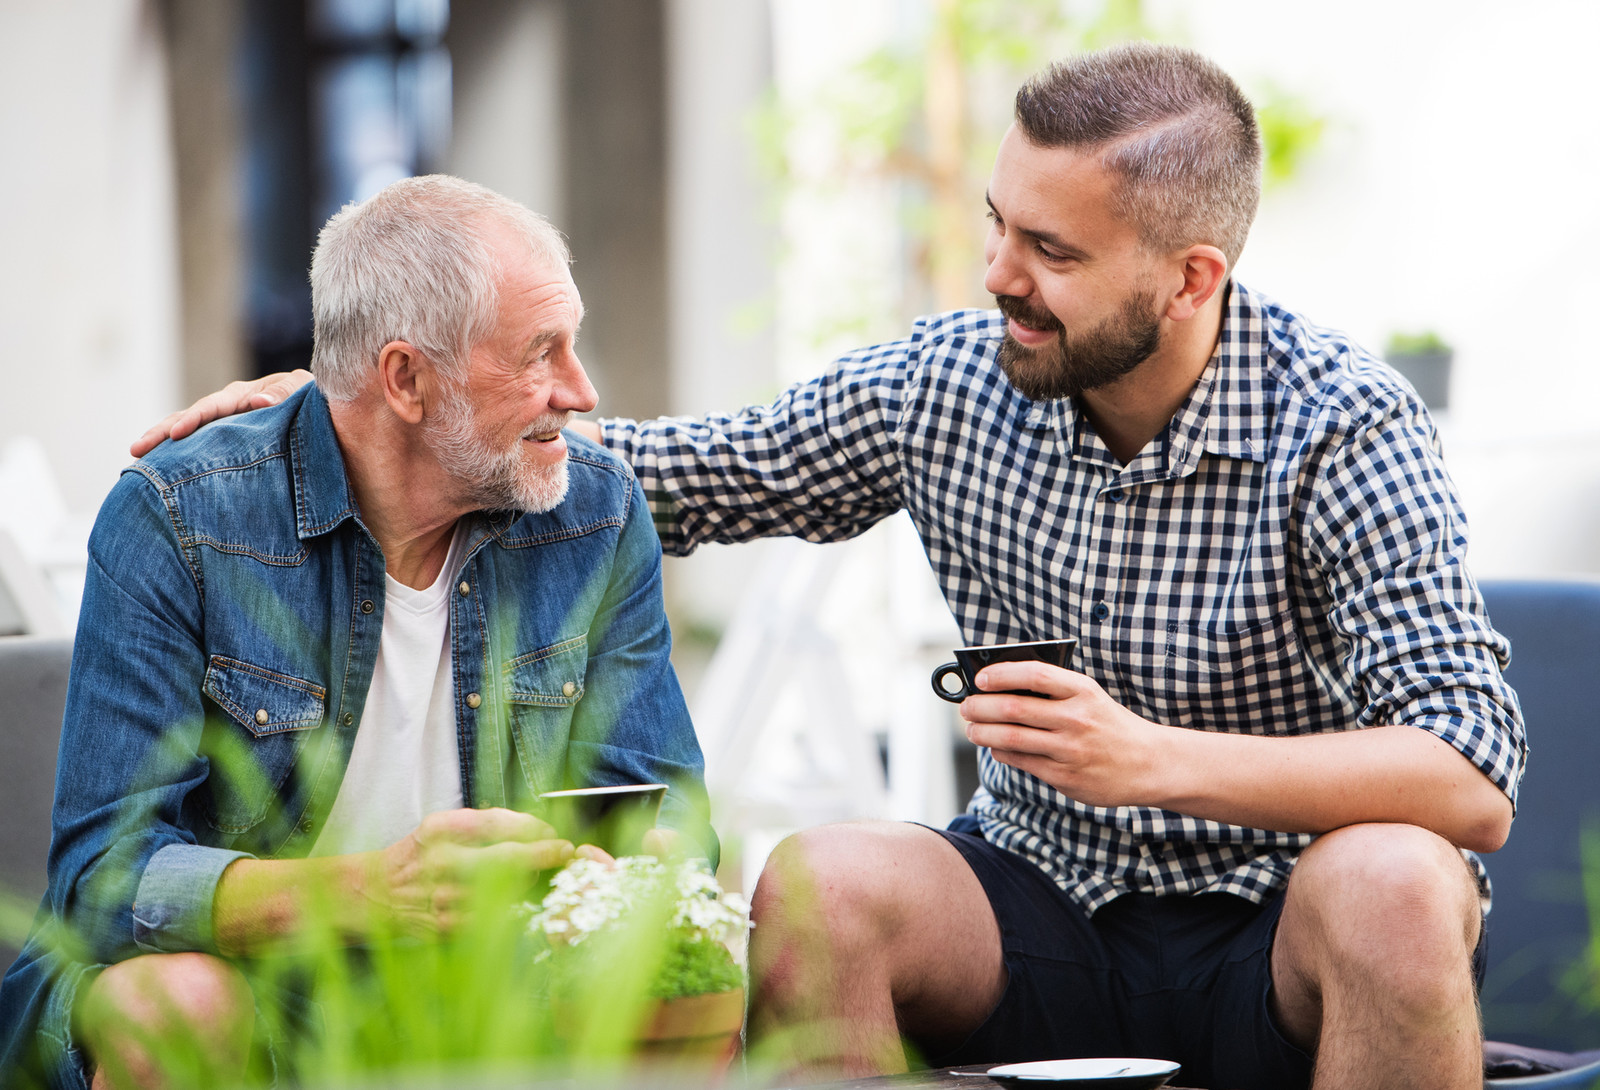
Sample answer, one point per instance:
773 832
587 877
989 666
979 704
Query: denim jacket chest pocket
254 746
543 689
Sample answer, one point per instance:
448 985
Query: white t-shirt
405 764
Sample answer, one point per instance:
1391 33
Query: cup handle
938 683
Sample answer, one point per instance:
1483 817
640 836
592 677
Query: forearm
268 904
1318 782
820 463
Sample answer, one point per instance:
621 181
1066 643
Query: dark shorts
1186 979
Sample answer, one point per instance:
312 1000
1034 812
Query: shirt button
367 606
569 689
1101 611
1115 495
347 718
465 588
262 716
473 700
305 826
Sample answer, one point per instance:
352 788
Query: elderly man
1238 833
341 644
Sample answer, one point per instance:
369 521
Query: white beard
493 479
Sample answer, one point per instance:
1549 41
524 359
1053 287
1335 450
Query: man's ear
1205 270
405 377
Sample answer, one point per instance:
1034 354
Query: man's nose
574 392
1004 275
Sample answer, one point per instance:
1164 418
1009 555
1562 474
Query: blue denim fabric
233 608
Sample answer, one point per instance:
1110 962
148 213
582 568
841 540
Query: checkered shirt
1287 557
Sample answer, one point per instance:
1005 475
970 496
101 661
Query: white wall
88 282
1455 190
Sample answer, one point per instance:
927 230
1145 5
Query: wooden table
943 1078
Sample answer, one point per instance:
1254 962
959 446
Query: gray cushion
33 691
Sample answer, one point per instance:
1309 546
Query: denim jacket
229 627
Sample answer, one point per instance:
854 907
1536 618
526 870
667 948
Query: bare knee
1395 905
139 1011
835 879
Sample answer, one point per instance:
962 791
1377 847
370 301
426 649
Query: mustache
1032 317
547 423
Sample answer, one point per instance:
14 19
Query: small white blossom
587 897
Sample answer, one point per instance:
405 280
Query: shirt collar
1227 414
1229 411
322 497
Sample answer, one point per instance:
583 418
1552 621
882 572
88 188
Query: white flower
587 897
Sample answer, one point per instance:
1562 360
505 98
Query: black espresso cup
613 818
971 660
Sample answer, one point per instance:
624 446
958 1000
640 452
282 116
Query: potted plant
663 937
1423 359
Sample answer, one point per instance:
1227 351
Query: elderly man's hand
425 881
236 397
1074 737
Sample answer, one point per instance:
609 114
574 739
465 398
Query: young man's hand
236 397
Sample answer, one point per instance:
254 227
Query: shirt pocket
254 748
542 690
1241 676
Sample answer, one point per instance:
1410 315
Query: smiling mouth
542 437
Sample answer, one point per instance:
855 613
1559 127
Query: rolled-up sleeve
1392 541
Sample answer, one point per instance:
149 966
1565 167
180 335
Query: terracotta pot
700 1031
698 1028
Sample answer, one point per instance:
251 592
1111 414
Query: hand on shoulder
236 397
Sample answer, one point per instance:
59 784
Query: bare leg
149 1017
1371 967
865 932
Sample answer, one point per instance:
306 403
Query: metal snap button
262 716
347 718
367 606
465 588
473 700
569 689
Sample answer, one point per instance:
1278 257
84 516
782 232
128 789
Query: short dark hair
1173 129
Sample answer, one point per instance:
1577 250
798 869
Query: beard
492 478
1078 362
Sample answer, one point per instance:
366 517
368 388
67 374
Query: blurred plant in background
1583 979
927 112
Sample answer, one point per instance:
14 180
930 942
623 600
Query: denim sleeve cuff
172 909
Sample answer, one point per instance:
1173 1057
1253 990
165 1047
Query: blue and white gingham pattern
1286 558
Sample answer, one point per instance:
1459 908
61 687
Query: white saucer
1124 1074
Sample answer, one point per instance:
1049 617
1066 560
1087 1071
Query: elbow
1488 824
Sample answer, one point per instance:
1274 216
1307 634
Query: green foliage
594 913
1584 981
696 966
1290 132
1423 343
927 113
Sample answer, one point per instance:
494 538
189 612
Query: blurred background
750 186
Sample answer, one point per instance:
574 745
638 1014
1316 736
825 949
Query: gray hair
1173 129
414 263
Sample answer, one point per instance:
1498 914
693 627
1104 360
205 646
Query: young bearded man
1239 832
329 653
